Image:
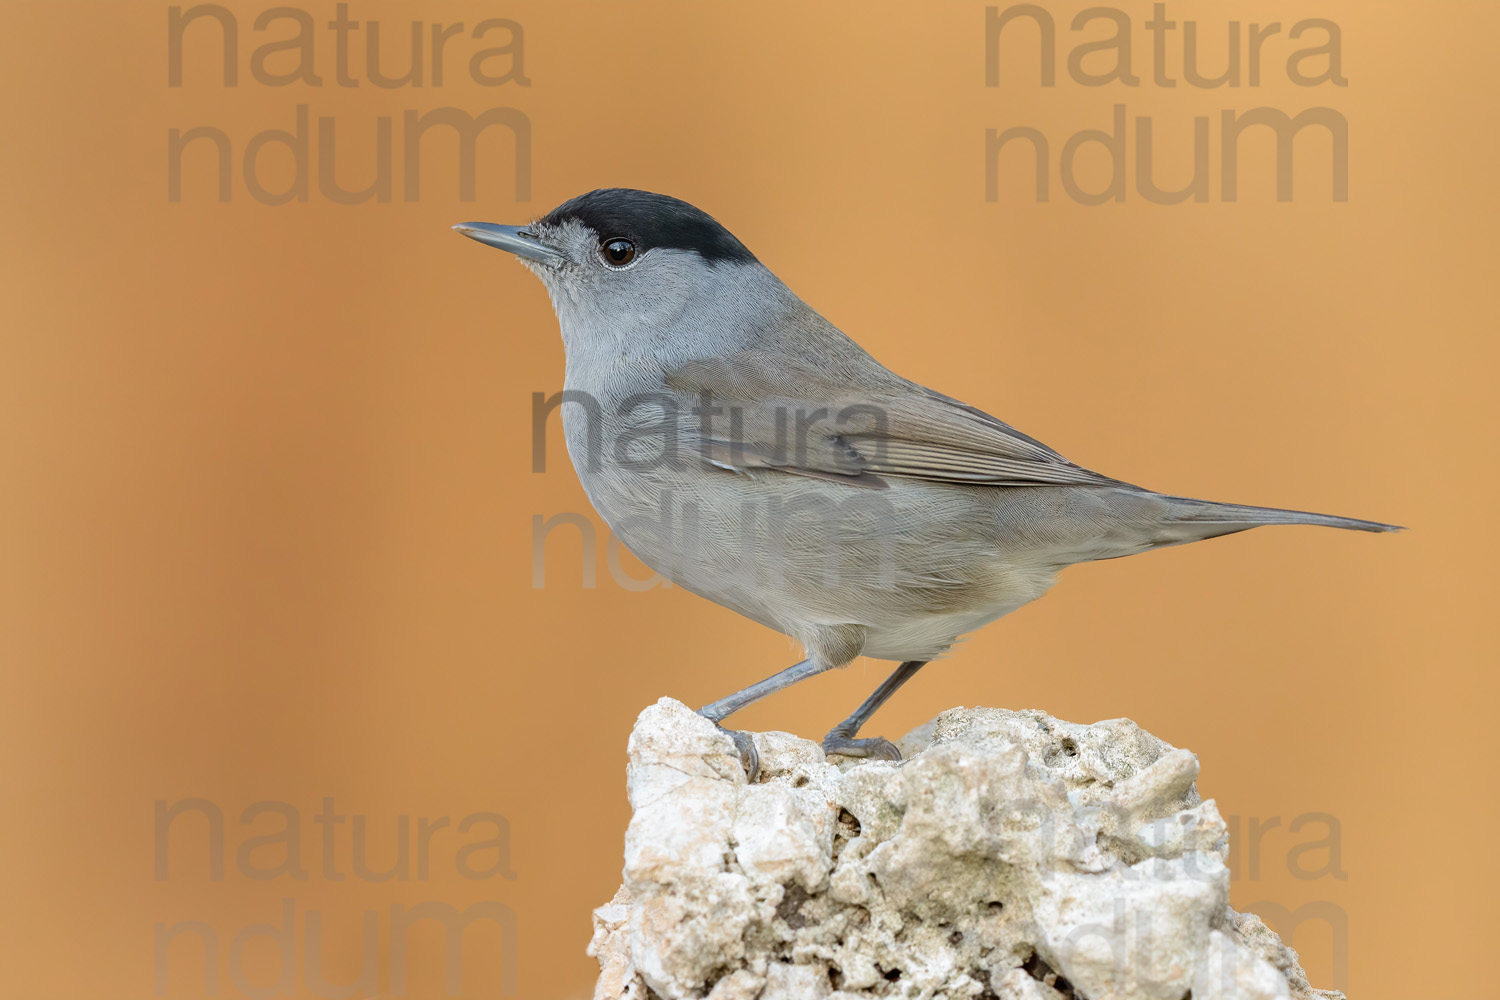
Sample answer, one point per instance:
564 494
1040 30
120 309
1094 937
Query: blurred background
268 519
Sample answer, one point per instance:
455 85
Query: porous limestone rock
1011 856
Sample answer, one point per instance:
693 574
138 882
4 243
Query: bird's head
622 255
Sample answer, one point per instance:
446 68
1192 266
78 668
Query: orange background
267 521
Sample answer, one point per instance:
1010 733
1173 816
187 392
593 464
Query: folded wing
755 411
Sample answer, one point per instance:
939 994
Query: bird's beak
517 239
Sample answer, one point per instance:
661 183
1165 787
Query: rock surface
1012 856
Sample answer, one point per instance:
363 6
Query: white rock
1011 856
1134 931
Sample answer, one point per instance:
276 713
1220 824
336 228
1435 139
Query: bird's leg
842 738
724 707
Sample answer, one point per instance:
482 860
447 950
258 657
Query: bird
749 451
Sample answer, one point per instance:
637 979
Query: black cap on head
652 220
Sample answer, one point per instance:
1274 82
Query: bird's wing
753 410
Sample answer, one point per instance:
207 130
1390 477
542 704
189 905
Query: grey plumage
755 455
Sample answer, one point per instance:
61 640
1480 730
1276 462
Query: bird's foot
871 747
749 757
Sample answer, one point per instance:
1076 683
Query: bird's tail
1135 520
1207 516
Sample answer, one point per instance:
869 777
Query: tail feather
1239 517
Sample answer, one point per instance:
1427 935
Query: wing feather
755 411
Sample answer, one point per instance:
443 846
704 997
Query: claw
871 747
749 756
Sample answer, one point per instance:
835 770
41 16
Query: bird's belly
924 628
797 554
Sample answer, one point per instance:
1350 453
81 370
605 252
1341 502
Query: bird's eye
617 252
